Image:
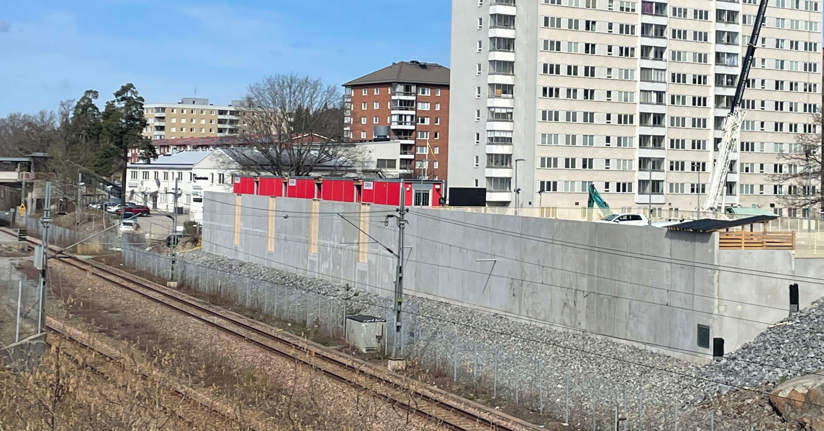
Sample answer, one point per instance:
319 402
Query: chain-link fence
315 311
19 304
535 378
447 349
91 241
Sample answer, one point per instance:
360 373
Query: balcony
402 106
408 125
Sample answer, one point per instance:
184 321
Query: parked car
129 226
111 205
140 210
630 219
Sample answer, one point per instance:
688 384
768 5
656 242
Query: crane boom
732 124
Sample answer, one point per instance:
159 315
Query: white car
129 226
630 219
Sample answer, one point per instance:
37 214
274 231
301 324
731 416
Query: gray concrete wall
639 284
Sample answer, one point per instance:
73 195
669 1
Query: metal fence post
615 421
676 415
475 366
712 421
495 377
641 409
455 364
624 405
540 399
19 303
566 398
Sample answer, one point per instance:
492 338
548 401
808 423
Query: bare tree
22 134
295 123
803 167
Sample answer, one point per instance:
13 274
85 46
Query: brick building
407 102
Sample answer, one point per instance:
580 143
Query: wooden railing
756 240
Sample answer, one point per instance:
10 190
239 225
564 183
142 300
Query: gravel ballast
571 374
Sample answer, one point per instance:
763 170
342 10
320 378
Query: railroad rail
444 408
121 360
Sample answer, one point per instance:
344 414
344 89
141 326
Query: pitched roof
206 141
411 72
183 159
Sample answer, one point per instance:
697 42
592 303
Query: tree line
81 137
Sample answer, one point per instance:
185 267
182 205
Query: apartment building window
549 163
364 92
552 116
134 175
551 69
376 91
569 163
499 160
552 45
587 163
547 186
145 175
165 176
376 120
422 135
549 139
386 163
623 187
423 106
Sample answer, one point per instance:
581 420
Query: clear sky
54 50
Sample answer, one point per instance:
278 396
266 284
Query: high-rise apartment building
191 118
408 102
627 95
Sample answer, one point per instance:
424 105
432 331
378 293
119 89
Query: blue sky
54 50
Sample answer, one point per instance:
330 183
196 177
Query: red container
244 186
301 188
270 186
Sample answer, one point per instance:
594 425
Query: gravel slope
539 363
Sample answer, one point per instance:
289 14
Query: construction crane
732 124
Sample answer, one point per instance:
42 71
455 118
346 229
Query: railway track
446 409
115 359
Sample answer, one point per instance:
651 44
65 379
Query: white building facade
629 96
153 184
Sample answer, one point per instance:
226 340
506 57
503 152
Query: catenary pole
46 221
397 348
174 231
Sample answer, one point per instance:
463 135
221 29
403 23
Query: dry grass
68 391
289 395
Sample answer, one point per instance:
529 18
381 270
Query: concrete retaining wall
638 284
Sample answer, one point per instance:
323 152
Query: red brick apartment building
408 102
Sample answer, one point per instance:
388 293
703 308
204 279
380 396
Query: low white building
153 184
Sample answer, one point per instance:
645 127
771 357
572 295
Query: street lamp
517 190
808 154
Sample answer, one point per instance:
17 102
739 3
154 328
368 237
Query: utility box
365 333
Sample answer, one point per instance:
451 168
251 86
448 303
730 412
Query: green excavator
596 199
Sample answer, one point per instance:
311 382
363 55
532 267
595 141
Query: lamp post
517 190
649 195
809 192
